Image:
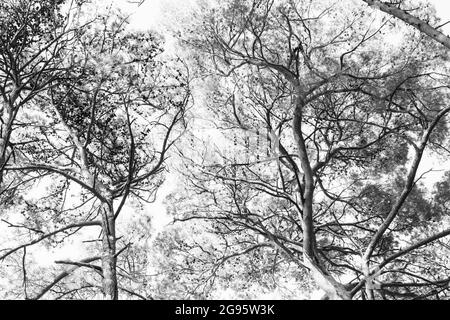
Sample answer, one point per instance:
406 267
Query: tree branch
417 23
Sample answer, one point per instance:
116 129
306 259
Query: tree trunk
110 290
333 289
5 133
309 242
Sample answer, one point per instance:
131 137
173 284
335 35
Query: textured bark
5 133
417 23
110 290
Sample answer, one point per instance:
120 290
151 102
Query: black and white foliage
303 144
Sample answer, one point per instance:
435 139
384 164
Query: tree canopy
299 140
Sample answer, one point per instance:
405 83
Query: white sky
443 11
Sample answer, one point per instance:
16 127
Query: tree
106 134
345 112
301 165
33 40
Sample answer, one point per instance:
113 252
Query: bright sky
443 11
